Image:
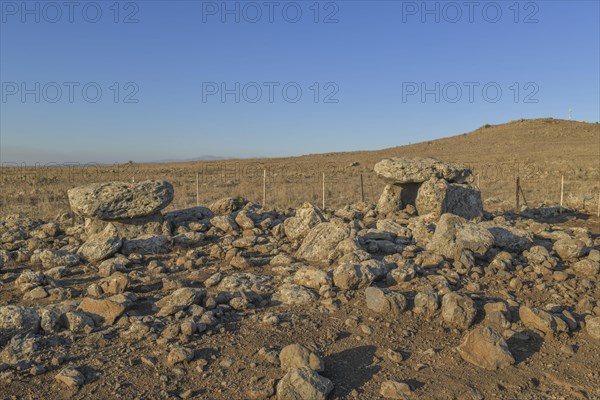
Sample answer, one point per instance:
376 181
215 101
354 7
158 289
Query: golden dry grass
540 151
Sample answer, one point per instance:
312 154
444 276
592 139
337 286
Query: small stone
394 390
71 377
303 383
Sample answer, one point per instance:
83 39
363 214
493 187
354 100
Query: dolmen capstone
132 208
432 186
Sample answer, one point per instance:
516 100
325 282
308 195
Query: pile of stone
431 186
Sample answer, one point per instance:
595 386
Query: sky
108 81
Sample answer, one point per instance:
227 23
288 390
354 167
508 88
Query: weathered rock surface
128 228
419 169
322 241
436 196
454 236
146 244
298 226
298 356
486 348
105 310
458 310
117 200
303 384
102 245
17 319
380 301
179 300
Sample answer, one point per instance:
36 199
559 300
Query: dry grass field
539 151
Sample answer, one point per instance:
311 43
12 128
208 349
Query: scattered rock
71 377
486 348
303 384
298 356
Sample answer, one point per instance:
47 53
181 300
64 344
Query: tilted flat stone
116 200
398 170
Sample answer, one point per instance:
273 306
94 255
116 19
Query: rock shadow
351 369
522 349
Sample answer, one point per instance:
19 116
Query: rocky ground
233 301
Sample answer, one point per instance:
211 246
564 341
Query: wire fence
42 190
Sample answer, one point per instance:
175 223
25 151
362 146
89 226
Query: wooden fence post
362 189
323 190
197 190
264 187
517 194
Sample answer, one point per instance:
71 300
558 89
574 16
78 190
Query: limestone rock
303 384
179 300
298 356
116 200
419 169
455 235
436 196
586 267
128 228
569 249
592 326
538 319
389 303
458 310
71 377
17 320
312 277
486 348
58 258
104 310
102 245
294 294
298 226
147 244
321 242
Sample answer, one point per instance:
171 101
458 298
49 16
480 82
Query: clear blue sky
375 57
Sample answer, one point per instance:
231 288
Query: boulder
179 300
509 238
397 197
569 249
454 236
128 228
298 356
486 348
117 200
436 196
321 242
58 258
538 319
298 226
385 302
292 294
312 278
102 245
458 311
105 310
399 170
303 384
587 267
147 244
17 320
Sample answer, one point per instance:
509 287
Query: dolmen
430 185
134 209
